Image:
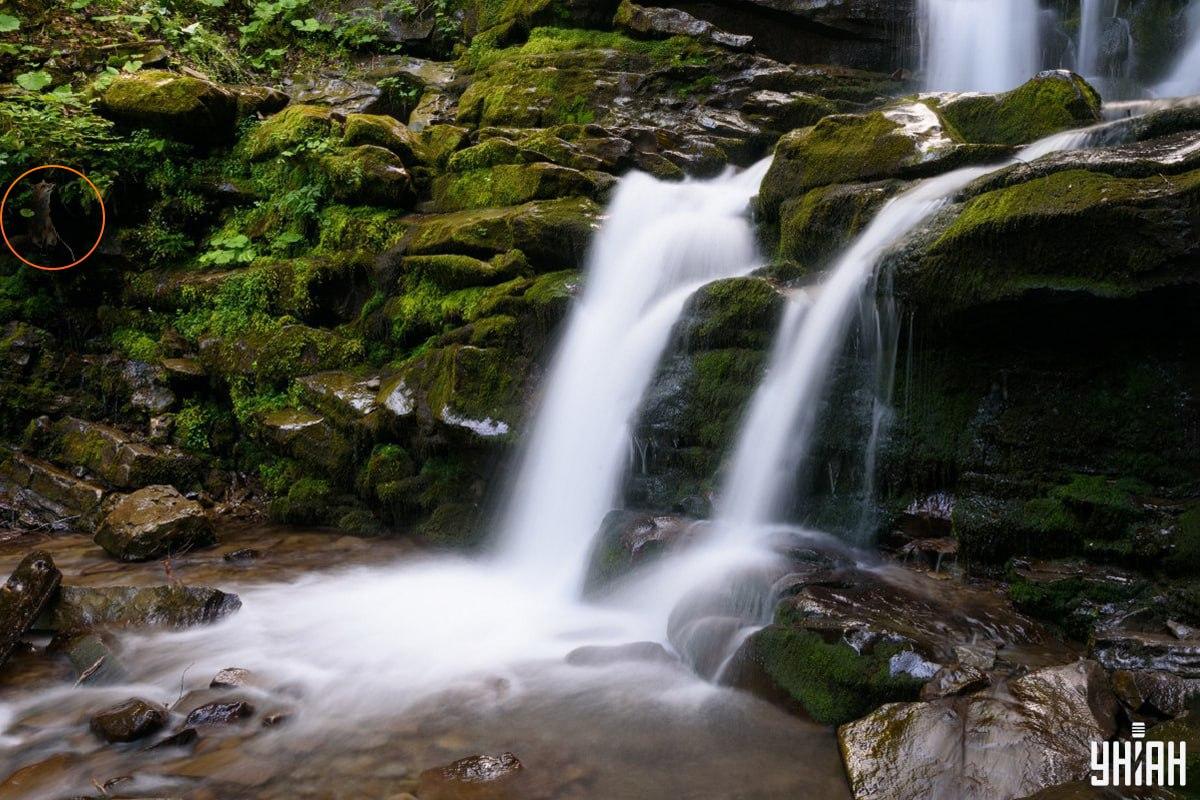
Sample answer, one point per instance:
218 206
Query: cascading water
1091 29
662 241
1185 78
979 45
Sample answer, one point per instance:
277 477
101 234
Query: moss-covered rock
831 681
178 106
385 132
310 439
734 312
1053 101
816 226
117 458
369 175
287 130
1070 231
508 185
553 233
470 389
84 608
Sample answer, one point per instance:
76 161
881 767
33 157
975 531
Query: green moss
292 128
135 344
507 185
1047 104
383 132
838 149
178 106
194 426
307 502
819 224
734 312
832 682
1185 555
1068 231
1104 507
369 175
1071 603
344 228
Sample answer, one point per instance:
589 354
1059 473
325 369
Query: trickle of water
660 243
1184 80
1091 29
979 45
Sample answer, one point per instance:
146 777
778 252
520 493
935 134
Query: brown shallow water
364 728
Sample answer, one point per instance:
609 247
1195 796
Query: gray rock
29 589
1031 733
82 608
666 22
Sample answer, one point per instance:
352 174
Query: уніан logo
1137 762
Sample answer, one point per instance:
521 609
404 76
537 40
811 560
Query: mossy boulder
310 439
279 353
1070 231
843 148
628 540
510 19
831 681
554 234
509 185
178 106
369 175
154 522
1052 101
287 130
816 226
116 457
473 390
734 312
385 132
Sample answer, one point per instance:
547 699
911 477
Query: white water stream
1184 79
979 45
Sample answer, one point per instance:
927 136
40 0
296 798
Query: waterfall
660 242
777 431
979 45
1091 29
1185 78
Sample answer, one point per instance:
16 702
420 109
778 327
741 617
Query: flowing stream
980 45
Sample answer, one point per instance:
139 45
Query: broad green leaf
8 23
34 81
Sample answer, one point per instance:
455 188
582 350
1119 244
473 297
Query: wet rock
513 184
1033 733
370 175
95 661
663 23
1154 692
79 608
154 522
383 131
1131 649
184 738
341 394
630 539
242 556
337 93
258 100
1052 101
49 496
309 438
599 656
161 428
39 779
183 370
954 680
276 719
220 713
178 106
979 656
30 589
483 777
118 458
125 722
231 677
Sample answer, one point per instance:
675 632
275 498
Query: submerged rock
483 777
133 719
81 608
31 588
220 713
153 522
1032 733
598 655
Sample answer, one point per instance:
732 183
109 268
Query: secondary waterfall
1091 29
777 432
979 45
1185 78
660 243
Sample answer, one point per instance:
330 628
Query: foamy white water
660 243
1091 29
1184 79
979 45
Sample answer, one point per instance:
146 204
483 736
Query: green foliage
34 81
229 248
9 23
242 303
194 425
137 345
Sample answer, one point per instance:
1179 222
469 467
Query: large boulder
47 496
1052 101
653 22
153 522
369 175
1034 732
118 458
179 106
290 128
513 184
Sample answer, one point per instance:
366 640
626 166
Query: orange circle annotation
76 262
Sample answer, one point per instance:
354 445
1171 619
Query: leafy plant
34 81
9 23
229 248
